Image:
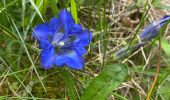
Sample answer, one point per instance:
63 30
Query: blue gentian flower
62 41
152 30
123 52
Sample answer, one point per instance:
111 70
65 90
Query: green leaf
54 6
74 11
36 9
44 4
164 90
165 46
7 32
110 78
63 3
69 84
156 3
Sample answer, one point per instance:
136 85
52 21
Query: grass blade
36 9
74 11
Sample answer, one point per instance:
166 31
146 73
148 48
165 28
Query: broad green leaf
164 90
109 79
74 11
166 46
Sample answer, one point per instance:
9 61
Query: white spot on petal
61 43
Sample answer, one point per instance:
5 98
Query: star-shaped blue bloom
62 41
152 29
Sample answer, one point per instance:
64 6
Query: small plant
84 50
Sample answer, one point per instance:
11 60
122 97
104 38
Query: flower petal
54 23
59 60
45 44
42 31
47 58
149 32
152 30
71 59
77 28
165 19
66 20
80 50
83 39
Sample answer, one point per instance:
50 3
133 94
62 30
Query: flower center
56 40
61 43
58 44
